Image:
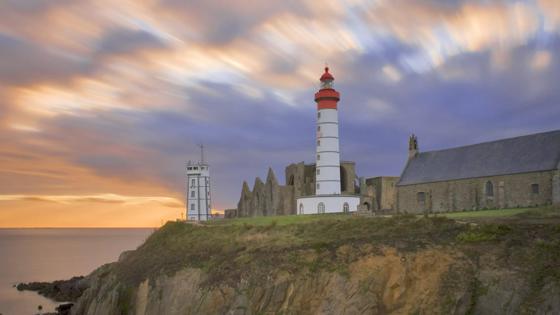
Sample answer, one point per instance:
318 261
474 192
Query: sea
28 255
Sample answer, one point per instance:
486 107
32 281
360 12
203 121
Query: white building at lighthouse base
327 204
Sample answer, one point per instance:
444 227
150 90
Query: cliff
336 265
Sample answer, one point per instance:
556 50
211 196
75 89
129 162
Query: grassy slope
486 213
233 249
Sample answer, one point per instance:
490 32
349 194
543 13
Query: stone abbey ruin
515 172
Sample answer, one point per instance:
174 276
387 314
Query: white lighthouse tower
327 198
198 190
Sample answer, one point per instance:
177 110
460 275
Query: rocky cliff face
357 266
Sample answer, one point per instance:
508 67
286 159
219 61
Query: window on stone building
489 189
318 186
421 197
318 157
321 208
301 208
318 142
318 171
318 115
346 207
192 207
192 193
193 182
535 188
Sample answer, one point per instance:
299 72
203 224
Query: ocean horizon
47 254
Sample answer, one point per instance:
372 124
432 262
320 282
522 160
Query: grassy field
279 220
496 213
301 219
517 213
284 220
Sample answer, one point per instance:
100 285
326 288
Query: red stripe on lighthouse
327 99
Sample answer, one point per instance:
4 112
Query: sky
103 102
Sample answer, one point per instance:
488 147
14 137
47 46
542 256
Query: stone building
272 198
516 172
378 194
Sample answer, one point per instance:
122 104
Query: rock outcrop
60 290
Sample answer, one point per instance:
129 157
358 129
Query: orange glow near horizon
89 211
104 210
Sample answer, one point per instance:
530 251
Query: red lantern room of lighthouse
327 198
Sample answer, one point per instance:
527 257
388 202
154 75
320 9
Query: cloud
127 41
219 22
99 96
99 198
23 62
541 60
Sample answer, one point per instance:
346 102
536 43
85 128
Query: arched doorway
346 207
321 208
367 205
301 208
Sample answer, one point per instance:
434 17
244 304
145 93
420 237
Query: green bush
487 232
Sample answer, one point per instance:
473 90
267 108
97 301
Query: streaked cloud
102 102
99 198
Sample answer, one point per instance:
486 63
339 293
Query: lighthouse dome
326 76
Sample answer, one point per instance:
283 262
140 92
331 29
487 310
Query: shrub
484 233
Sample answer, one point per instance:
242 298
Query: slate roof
531 153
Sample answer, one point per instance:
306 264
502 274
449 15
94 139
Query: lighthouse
327 167
328 197
198 190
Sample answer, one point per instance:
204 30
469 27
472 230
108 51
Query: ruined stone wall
268 198
230 213
348 177
300 176
388 195
509 191
271 198
382 192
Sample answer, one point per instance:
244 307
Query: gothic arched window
421 197
301 208
489 189
346 207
